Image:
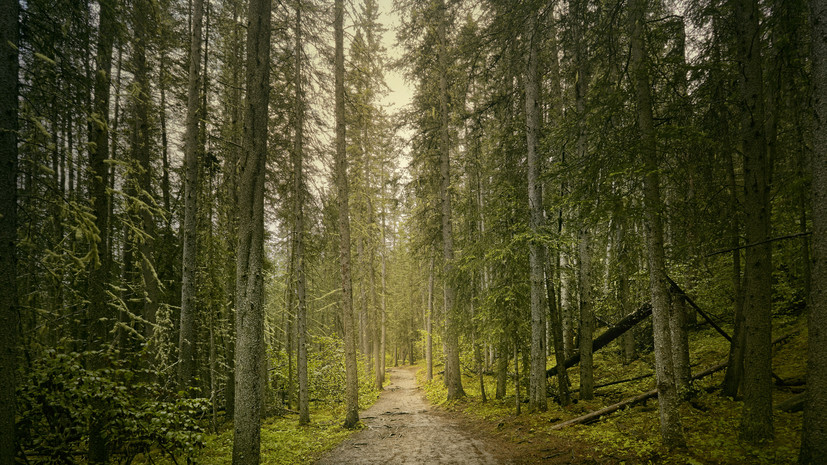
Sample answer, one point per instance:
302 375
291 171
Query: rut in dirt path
401 429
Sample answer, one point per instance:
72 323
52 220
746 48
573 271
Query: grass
710 421
283 441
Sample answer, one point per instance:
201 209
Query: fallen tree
592 416
625 324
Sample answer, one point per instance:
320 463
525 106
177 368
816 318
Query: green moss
632 435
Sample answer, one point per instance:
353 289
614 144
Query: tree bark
249 359
9 324
429 360
298 234
453 379
814 433
99 320
142 154
537 369
187 334
352 388
756 418
586 317
670 423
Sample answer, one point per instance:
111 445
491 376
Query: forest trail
401 428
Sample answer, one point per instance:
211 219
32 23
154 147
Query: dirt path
402 429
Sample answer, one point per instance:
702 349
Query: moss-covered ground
631 436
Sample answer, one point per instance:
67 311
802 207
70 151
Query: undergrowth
710 421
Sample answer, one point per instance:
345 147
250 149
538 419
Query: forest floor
403 428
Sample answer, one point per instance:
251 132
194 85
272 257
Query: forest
597 230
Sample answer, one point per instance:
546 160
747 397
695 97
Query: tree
453 379
537 369
814 433
9 326
298 231
249 360
99 275
670 425
756 420
352 396
187 334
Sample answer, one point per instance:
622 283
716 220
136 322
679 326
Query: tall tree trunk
537 369
298 235
249 359
734 376
756 419
9 325
380 355
586 323
352 388
453 379
142 154
187 334
668 400
99 320
584 336
814 433
429 360
627 340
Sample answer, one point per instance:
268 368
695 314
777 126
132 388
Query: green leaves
59 398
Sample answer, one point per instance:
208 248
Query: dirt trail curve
402 429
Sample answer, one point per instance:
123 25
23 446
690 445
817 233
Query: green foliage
283 442
60 397
326 374
632 435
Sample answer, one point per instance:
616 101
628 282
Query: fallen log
625 324
592 416
620 381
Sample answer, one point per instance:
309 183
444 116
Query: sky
401 92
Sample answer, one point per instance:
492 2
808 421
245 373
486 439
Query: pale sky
400 92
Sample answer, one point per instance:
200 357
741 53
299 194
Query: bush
59 397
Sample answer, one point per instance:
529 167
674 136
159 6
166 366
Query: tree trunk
756 419
298 234
734 376
99 319
9 325
453 379
187 334
429 360
814 433
517 401
142 154
680 344
627 341
586 317
352 394
249 360
537 369
670 423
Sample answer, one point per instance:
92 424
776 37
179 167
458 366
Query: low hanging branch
627 323
592 416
